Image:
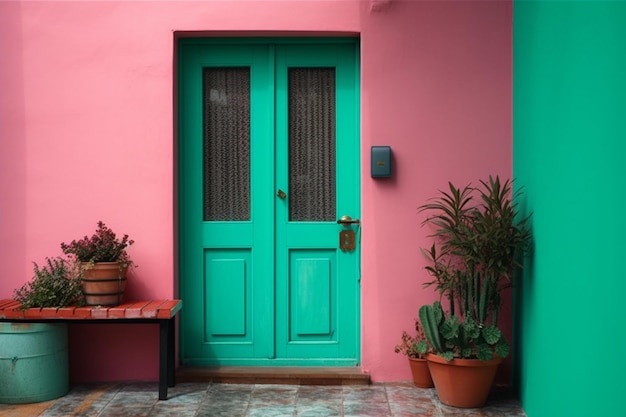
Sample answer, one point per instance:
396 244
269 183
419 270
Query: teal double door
268 164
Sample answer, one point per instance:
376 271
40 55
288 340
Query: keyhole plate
347 241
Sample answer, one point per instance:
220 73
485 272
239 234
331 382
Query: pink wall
86 133
436 87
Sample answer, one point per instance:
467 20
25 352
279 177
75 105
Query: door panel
261 273
228 287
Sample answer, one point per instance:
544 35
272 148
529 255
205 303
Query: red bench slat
150 311
119 312
169 309
7 303
134 311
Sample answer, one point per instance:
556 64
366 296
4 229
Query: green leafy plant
102 246
452 338
413 346
478 241
55 284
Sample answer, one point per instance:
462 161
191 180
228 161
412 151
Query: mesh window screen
311 144
226 138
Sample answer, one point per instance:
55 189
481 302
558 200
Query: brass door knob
347 221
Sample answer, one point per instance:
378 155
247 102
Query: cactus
430 318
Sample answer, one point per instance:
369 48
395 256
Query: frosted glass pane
226 144
312 144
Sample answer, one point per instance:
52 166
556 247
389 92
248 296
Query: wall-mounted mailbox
381 162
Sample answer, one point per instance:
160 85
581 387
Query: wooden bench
161 312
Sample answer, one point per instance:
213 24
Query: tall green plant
478 240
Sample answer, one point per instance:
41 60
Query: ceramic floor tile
370 393
187 393
166 409
220 413
133 400
271 411
24 410
140 387
311 392
125 410
508 408
366 409
223 409
320 399
83 401
401 393
231 388
413 410
215 393
329 410
225 402
271 395
447 411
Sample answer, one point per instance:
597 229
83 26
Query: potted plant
478 241
414 348
34 356
104 262
55 284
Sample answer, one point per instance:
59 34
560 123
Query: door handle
347 221
347 237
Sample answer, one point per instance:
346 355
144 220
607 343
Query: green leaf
447 355
466 353
502 348
421 347
438 312
450 328
492 334
472 331
484 352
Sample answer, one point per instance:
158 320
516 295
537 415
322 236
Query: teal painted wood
208 248
267 291
334 286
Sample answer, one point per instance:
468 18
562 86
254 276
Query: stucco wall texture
87 133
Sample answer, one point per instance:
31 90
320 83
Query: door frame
179 136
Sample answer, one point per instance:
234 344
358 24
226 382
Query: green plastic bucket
33 362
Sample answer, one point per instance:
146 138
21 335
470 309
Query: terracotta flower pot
421 373
462 382
103 283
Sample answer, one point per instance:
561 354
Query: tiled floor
231 400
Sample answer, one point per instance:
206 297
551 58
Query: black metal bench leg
171 348
164 332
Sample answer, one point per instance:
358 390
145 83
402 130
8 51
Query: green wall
569 136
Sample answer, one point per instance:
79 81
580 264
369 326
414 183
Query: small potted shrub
104 262
36 366
414 348
478 241
55 284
